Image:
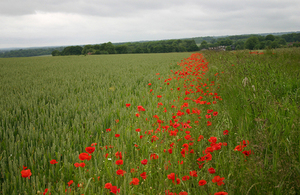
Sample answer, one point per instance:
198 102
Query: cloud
66 22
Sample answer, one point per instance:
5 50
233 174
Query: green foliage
251 43
261 104
72 50
270 37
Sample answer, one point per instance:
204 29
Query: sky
36 23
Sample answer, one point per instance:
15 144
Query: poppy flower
118 155
120 172
153 156
108 185
127 105
90 150
53 162
211 170
218 180
225 132
183 193
70 182
84 156
159 96
185 178
26 173
45 191
141 108
202 182
144 162
221 193
143 175
137 115
76 165
135 181
138 130
171 176
114 189
119 162
117 135
193 173
149 84
82 164
247 153
107 130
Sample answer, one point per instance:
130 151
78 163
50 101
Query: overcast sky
30 23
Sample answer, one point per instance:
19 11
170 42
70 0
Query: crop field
178 123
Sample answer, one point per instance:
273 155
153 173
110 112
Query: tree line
240 42
164 46
236 42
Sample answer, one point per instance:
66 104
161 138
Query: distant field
53 108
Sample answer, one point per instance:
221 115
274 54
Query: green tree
55 53
204 45
251 42
270 37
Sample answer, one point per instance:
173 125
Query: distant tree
281 41
270 37
203 45
121 49
274 45
251 42
55 53
72 50
239 45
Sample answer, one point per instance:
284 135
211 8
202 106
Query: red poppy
108 185
90 150
159 96
84 156
118 155
76 165
45 192
183 193
117 135
120 172
53 162
225 132
127 105
137 115
70 182
193 173
144 162
26 173
149 84
211 170
119 162
185 178
208 123
247 153
153 156
114 189
202 182
135 181
141 108
221 193
82 164
138 130
107 130
171 176
143 175
218 180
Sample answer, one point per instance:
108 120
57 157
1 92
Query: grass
55 107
